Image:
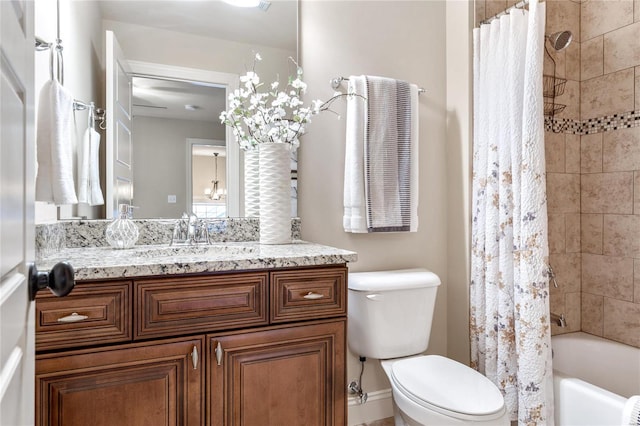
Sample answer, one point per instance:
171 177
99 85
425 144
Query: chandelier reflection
215 193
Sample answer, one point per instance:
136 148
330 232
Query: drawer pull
219 353
194 357
74 317
313 296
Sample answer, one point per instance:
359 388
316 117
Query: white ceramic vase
251 183
275 192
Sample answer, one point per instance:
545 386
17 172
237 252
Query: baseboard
379 405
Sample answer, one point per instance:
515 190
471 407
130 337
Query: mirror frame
227 81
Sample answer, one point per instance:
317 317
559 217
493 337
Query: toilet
390 315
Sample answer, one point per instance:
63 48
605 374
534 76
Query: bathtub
593 378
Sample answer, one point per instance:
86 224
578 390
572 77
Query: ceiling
212 18
209 18
154 97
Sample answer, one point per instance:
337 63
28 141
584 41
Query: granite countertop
104 262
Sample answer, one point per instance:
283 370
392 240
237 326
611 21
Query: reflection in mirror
208 36
208 185
167 114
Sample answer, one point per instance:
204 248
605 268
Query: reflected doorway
207 182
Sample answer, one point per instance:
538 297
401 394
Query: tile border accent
590 126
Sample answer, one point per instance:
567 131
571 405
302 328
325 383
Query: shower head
560 40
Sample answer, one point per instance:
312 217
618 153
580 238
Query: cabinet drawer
180 305
308 294
94 313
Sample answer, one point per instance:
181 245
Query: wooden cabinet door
132 385
284 376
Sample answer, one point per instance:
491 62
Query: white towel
354 219
54 181
88 169
379 122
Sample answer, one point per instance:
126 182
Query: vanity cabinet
283 376
138 385
239 348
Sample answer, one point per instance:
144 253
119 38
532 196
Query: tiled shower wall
593 166
610 169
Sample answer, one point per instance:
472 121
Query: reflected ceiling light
215 193
189 107
243 3
260 4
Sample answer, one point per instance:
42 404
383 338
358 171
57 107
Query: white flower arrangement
273 116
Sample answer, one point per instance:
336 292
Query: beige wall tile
572 61
563 15
622 48
607 276
493 7
591 58
554 151
572 153
559 58
638 86
621 150
592 313
591 229
560 63
567 268
601 16
636 280
608 94
570 98
591 153
636 189
556 232
621 235
480 11
572 232
563 193
622 321
607 193
556 300
636 10
572 311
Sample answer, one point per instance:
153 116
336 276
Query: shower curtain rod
519 5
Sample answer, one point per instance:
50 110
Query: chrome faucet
559 319
190 230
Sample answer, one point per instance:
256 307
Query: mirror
179 42
179 149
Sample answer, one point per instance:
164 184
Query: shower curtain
509 290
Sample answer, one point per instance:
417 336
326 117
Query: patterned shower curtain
509 291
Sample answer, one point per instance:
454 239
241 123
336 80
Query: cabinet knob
74 317
313 296
219 353
194 357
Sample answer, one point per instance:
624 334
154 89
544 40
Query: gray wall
398 39
159 163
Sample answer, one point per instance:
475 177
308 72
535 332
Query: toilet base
402 417
408 413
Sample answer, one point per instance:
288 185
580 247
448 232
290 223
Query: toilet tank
390 312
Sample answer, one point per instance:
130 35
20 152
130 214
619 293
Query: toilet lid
447 384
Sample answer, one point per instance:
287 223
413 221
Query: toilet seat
448 387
